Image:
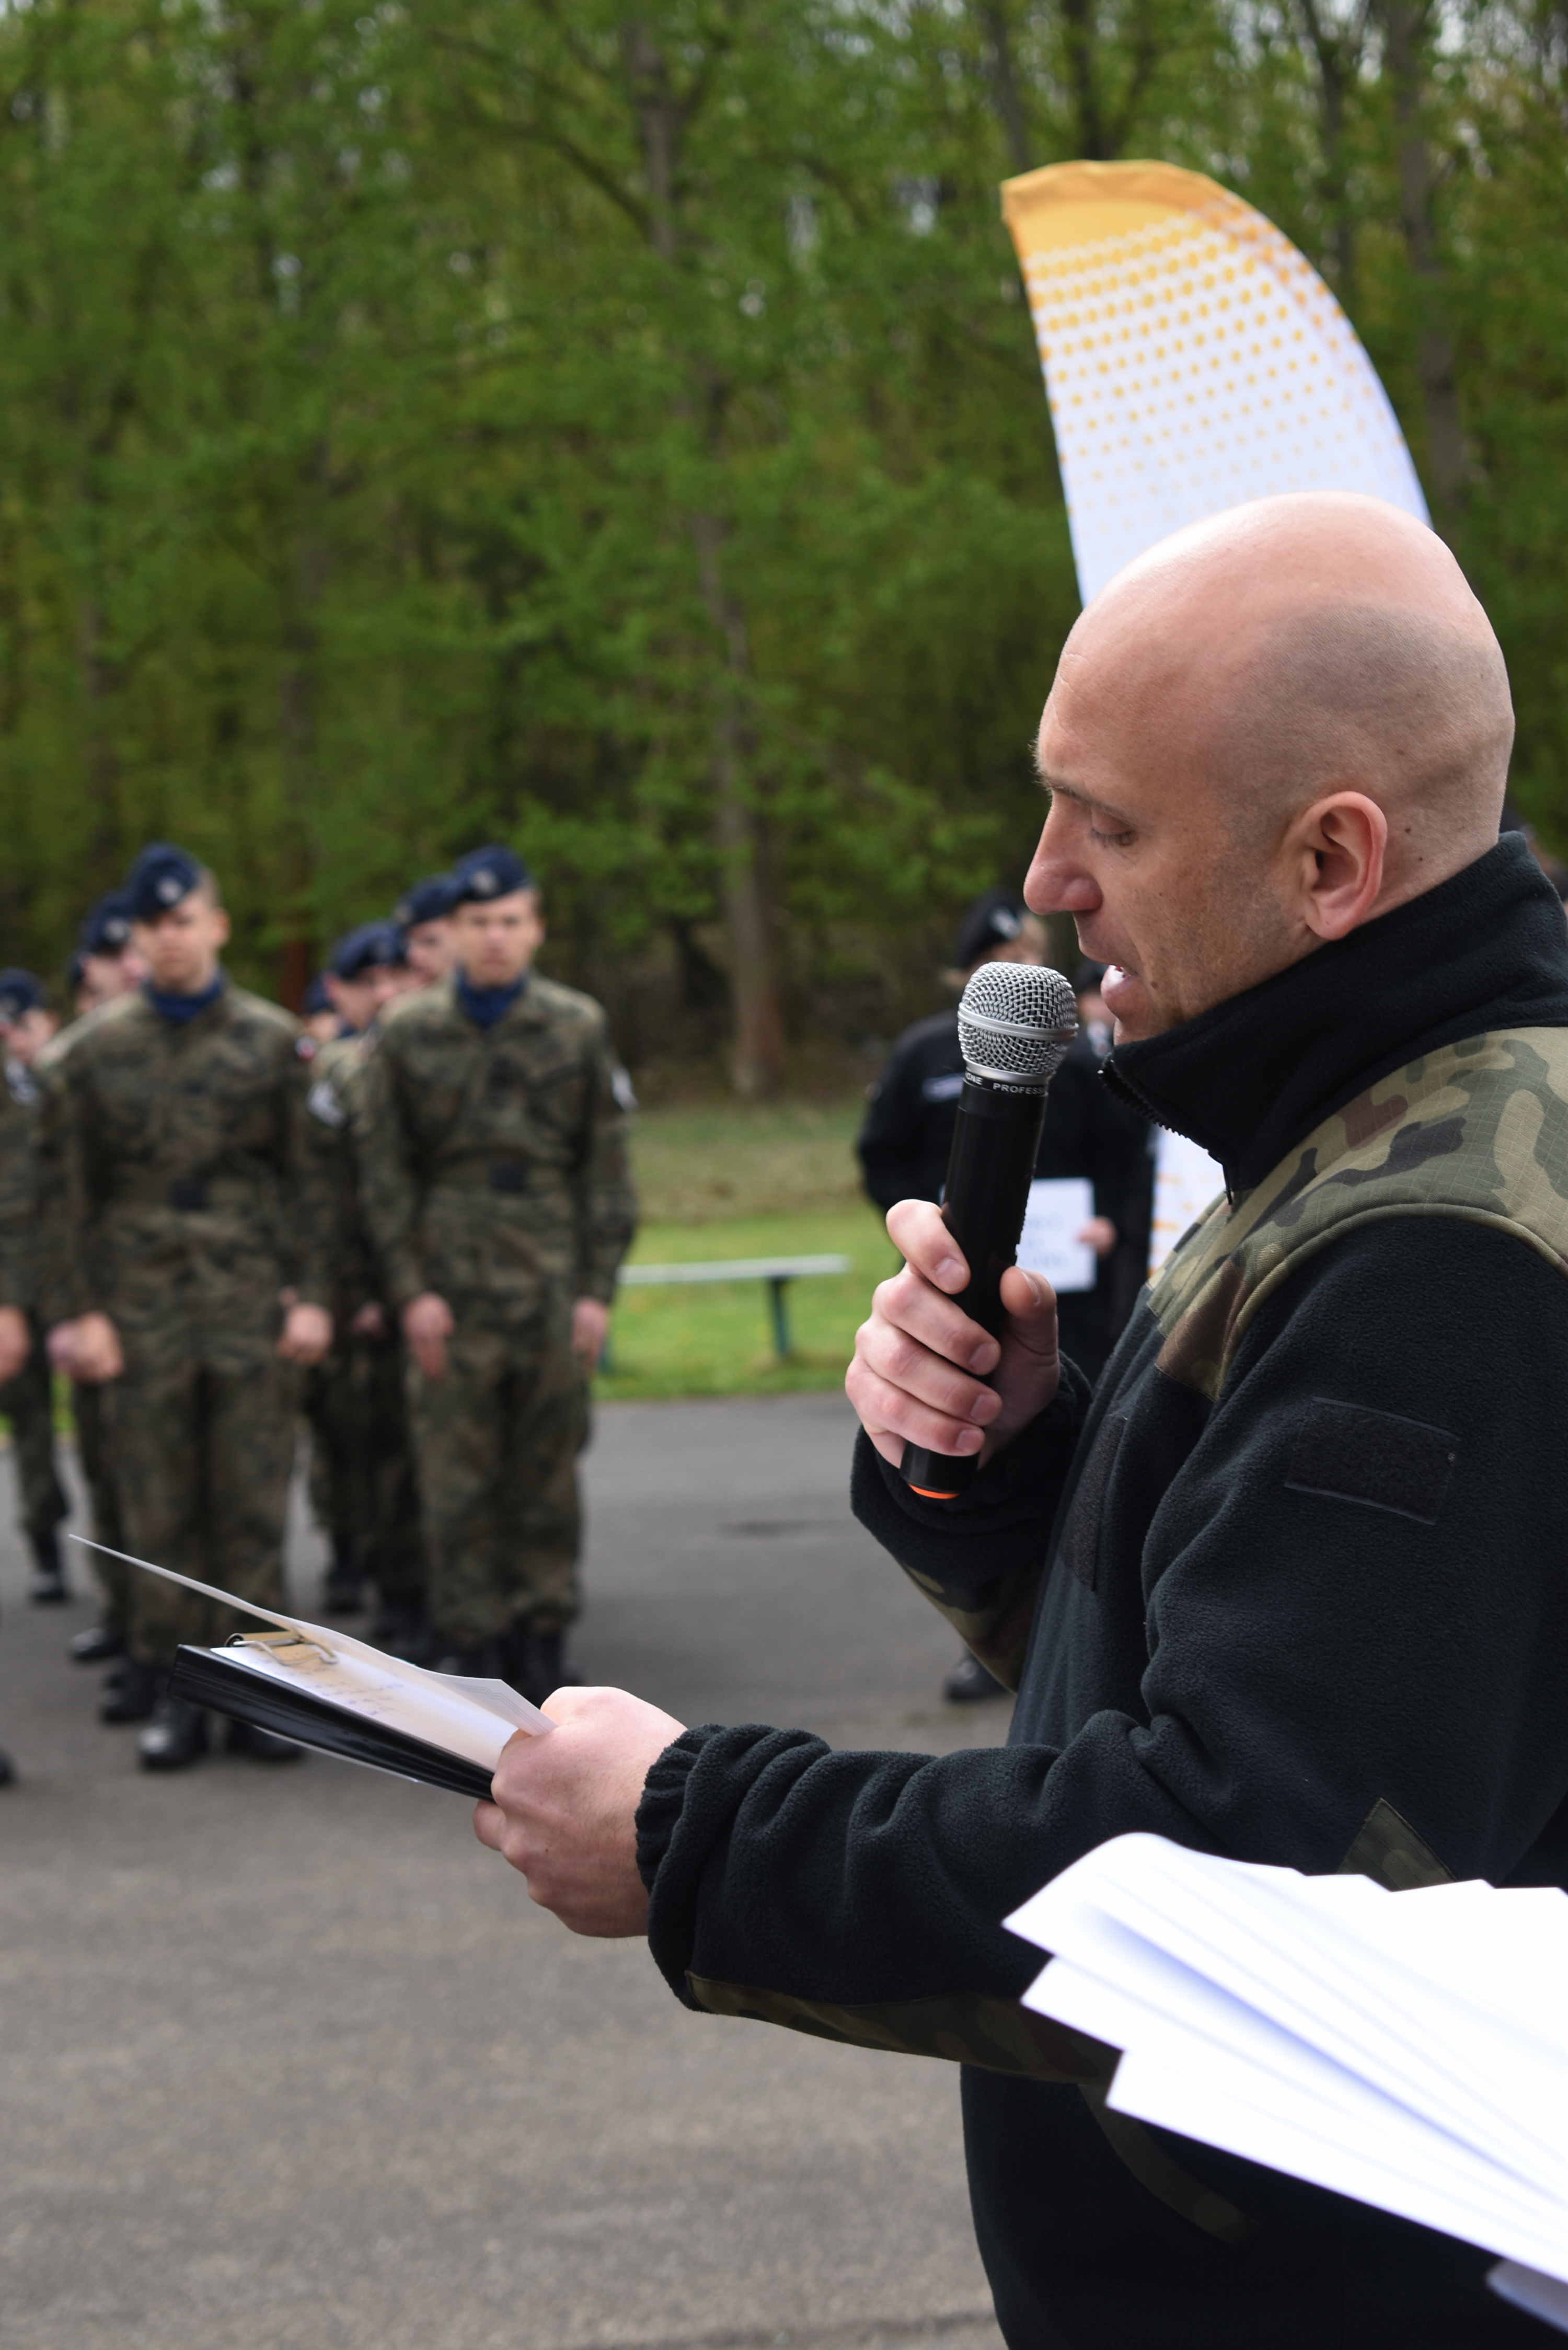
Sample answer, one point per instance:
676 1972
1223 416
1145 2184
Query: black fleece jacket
1217 1654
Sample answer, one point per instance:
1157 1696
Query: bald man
1290 1586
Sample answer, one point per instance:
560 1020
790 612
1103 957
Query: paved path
289 2060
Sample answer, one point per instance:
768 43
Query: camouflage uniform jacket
180 1182
1288 1585
334 1070
493 1160
18 1195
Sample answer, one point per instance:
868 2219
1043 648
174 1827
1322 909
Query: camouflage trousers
89 1410
362 1481
496 1444
28 1403
201 1457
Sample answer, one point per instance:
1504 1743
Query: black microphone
1015 1024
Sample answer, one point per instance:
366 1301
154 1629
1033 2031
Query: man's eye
1113 839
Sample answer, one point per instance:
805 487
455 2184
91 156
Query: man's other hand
15 1341
306 1335
427 1327
88 1349
922 1366
564 1808
369 1322
590 1327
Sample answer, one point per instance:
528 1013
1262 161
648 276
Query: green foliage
423 423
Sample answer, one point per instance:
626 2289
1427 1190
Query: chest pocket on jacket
1081 1535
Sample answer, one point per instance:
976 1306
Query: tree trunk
1406 26
1009 97
1337 54
757 1053
298 737
757 1057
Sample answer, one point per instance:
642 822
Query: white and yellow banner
1193 359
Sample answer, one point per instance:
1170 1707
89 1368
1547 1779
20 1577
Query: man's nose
1058 881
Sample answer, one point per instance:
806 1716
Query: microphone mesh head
1017 1022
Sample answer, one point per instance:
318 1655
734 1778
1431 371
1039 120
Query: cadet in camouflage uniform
18 1236
106 966
182 1199
362 1479
28 1401
495 1191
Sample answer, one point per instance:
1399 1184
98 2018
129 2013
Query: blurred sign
1186 1180
1057 1211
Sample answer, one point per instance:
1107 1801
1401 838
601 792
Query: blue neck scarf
178 1009
486 1005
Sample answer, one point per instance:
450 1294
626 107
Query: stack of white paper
1407 2049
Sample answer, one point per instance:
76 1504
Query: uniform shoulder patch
324 1102
1347 1452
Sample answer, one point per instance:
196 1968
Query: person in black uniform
907 1133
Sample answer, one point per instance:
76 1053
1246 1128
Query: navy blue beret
20 992
368 947
430 900
106 927
486 874
993 921
158 880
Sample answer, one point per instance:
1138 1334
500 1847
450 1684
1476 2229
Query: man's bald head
1324 642
1295 664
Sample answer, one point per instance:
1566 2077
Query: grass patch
718 1339
730 1163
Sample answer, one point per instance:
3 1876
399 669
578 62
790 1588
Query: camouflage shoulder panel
422 1007
104 1018
1000 2035
261 1010
560 1003
1477 1130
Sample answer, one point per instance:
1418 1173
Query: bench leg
781 1318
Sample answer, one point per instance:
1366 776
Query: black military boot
402 1628
345 1592
49 1587
130 1694
174 1738
260 1745
486 1662
542 1660
969 1681
99 1645
8 1768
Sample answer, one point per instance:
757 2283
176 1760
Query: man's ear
223 925
1340 844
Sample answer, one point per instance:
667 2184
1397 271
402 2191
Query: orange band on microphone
926 1495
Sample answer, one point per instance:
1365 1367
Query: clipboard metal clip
288 1646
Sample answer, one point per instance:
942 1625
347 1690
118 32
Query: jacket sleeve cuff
689 1800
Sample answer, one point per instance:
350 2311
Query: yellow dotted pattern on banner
1191 364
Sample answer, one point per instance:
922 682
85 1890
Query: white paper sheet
1408 2049
1185 1181
1059 1207
471 1718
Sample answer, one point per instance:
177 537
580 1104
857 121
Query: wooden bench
776 1271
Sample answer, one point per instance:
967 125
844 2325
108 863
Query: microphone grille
1016 1021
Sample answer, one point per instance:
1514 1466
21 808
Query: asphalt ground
289 2059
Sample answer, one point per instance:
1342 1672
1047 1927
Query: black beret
20 992
486 874
993 921
106 927
369 947
161 876
430 900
